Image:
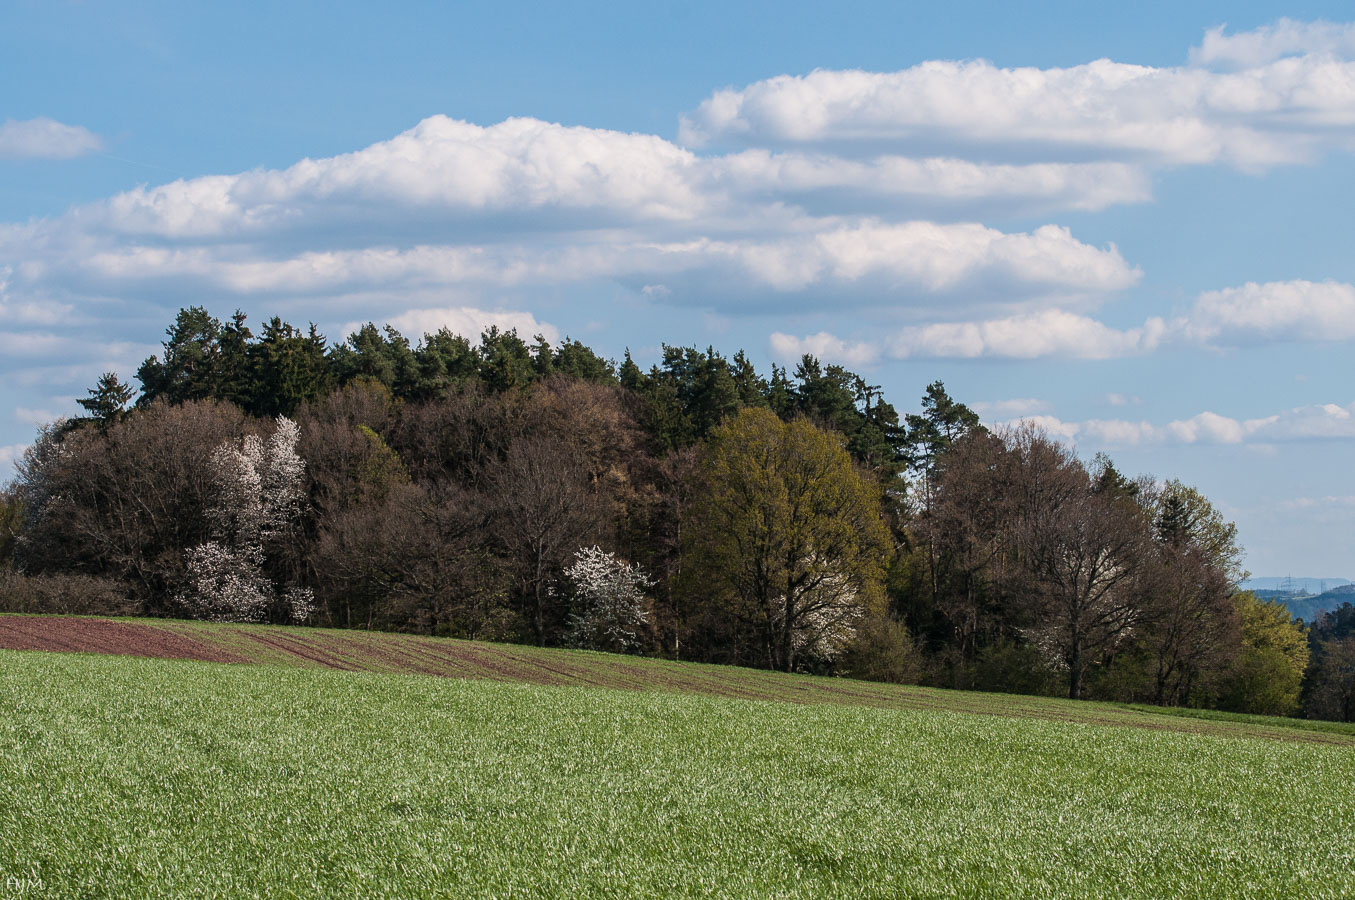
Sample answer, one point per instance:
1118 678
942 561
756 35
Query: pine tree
192 360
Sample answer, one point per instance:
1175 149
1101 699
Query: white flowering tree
830 609
609 602
258 493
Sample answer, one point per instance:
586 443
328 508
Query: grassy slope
133 777
411 654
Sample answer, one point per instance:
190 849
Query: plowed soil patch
79 635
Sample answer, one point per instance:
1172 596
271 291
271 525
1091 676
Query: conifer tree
108 399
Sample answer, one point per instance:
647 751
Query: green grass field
130 777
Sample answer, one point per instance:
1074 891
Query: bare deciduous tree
1084 552
124 501
543 502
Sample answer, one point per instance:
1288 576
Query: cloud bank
1273 111
1327 421
524 203
866 189
467 321
1236 317
1269 43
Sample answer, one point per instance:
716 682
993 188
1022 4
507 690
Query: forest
524 491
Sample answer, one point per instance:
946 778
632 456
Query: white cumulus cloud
528 175
1269 43
1284 310
44 138
453 206
919 257
789 348
467 321
1276 111
821 179
1014 408
1052 332
1251 314
1327 421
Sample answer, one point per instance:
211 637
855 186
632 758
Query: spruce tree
107 399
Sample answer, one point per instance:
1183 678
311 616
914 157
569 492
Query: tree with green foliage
788 537
107 400
381 354
630 376
749 387
781 393
543 357
1268 673
235 371
287 367
1329 686
833 397
1185 516
577 360
11 523
942 422
704 387
191 366
505 360
443 360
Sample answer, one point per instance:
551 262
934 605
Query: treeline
529 491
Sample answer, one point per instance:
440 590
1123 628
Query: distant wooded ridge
525 490
1293 584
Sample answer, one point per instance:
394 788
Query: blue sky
1131 224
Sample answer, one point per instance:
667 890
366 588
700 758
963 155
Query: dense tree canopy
791 519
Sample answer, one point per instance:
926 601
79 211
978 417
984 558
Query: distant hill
1304 585
1308 606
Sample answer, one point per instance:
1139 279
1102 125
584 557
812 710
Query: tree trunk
538 603
1075 670
787 628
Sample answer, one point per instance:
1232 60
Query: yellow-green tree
788 537
11 520
1269 670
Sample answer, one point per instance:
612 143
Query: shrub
69 595
610 607
883 650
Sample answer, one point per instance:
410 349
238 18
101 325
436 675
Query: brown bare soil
81 635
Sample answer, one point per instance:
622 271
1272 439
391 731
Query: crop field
377 652
123 776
